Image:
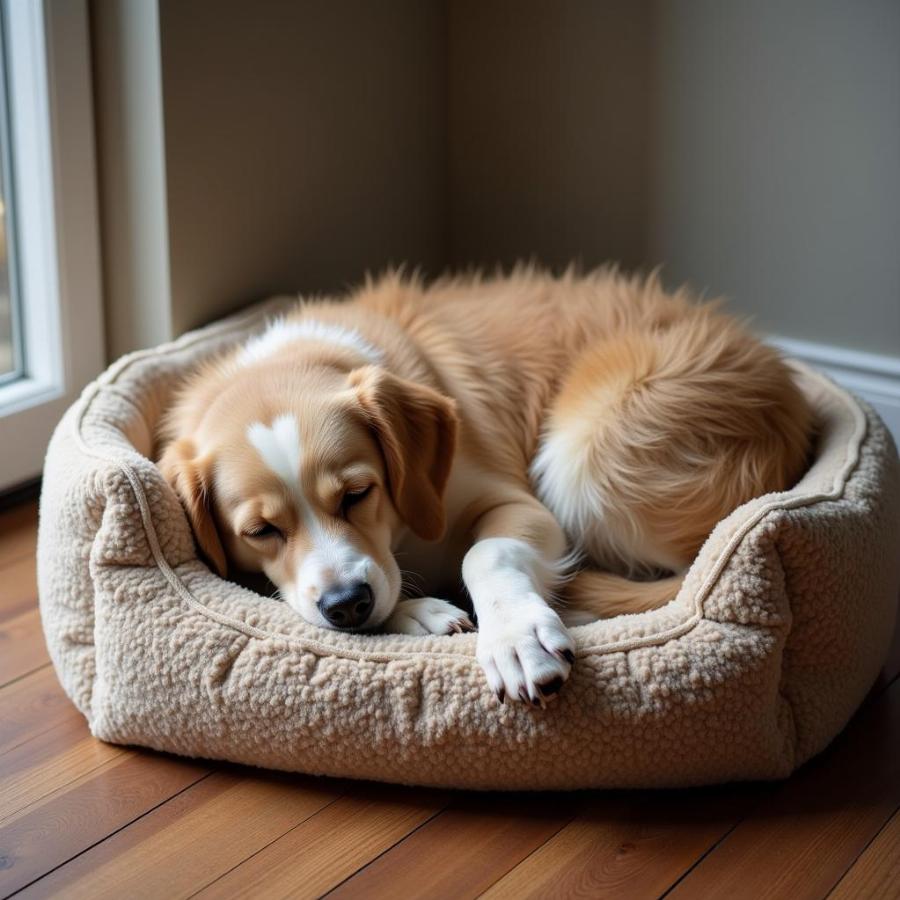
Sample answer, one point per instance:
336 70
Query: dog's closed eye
263 531
354 498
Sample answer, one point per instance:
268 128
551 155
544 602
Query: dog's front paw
427 615
526 653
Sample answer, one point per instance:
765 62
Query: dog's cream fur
495 427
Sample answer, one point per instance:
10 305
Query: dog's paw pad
427 615
549 688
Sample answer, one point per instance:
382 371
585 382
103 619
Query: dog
567 443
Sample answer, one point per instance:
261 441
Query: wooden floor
80 818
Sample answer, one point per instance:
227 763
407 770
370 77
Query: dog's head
311 475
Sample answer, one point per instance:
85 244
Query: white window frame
56 239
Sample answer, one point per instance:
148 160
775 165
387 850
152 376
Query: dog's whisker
412 582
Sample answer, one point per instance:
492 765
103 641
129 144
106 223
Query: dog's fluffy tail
591 595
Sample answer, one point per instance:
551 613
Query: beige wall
778 167
304 145
131 177
549 152
301 143
751 147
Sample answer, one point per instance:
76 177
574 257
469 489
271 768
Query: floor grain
801 841
635 845
465 849
19 589
22 647
877 871
330 846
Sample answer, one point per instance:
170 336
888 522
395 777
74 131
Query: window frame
56 241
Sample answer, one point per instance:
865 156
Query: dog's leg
427 615
523 647
593 595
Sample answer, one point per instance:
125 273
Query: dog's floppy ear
416 427
190 477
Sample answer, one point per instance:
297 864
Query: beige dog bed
777 634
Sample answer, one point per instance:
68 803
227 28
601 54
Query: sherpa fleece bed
777 634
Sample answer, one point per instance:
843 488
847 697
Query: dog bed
777 634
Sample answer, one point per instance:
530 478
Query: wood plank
22 646
86 811
877 871
18 532
635 845
465 849
18 587
817 823
46 763
330 846
31 705
192 839
41 748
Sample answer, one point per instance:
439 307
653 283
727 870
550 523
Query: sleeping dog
561 442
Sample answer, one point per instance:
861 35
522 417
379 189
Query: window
10 346
51 333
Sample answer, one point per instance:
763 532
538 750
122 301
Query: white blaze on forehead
282 332
279 446
331 558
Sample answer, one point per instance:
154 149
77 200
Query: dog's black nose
347 605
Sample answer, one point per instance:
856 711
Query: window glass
10 345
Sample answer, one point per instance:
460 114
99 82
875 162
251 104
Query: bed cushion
773 641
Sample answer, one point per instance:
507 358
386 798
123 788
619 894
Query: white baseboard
873 377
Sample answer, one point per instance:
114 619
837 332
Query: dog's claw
463 626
